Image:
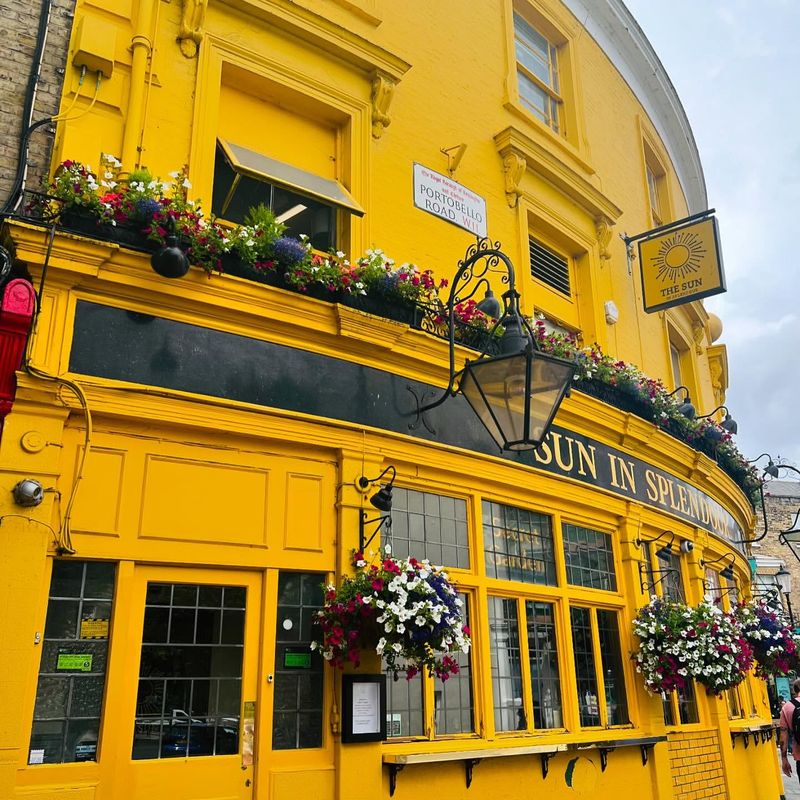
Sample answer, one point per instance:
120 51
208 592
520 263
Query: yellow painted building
200 440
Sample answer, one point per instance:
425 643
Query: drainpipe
141 47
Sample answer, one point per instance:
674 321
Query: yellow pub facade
200 441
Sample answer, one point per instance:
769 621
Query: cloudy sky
734 65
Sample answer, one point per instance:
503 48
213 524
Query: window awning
258 166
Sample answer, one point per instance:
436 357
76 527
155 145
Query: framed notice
363 708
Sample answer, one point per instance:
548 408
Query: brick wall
782 500
696 766
19 22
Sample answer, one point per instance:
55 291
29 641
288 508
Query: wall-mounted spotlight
686 408
664 553
382 500
28 493
727 571
170 261
728 423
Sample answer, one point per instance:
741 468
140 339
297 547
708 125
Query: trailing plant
774 645
406 610
680 642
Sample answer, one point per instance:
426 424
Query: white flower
387 549
397 647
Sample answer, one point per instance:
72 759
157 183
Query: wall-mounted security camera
687 546
28 493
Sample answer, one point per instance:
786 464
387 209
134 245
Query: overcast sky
734 64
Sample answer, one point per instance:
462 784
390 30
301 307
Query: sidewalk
791 786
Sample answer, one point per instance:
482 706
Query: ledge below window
398 761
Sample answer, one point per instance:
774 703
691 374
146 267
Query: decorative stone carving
698 334
514 166
382 93
193 20
603 227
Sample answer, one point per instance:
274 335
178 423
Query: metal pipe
141 47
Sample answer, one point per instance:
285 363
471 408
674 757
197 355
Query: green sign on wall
74 662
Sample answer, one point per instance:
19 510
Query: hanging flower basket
405 610
774 645
680 642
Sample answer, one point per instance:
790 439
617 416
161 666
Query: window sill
562 142
398 761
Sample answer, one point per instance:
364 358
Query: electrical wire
63 538
58 117
88 108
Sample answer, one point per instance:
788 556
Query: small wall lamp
382 500
686 408
664 553
728 424
726 572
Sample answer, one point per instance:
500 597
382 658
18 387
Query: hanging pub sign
680 263
439 195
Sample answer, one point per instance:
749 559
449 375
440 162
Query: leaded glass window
453 697
589 558
432 526
518 544
72 672
297 713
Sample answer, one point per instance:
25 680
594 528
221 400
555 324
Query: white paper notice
366 708
36 757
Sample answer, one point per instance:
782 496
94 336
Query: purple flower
288 251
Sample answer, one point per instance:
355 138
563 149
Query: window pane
509 711
533 50
687 704
583 651
453 697
72 672
404 707
431 526
589 558
518 545
189 696
297 718
672 585
543 659
611 662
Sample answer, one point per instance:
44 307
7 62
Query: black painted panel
112 343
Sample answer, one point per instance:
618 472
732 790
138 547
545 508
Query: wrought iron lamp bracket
483 257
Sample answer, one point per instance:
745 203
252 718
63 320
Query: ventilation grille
549 267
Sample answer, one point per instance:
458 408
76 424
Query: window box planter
408 313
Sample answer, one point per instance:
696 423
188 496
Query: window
453 713
430 526
543 663
526 683
656 178
675 359
72 672
190 674
518 545
589 558
537 73
509 712
666 580
549 267
297 714
598 667
305 203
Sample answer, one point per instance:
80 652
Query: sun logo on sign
679 255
